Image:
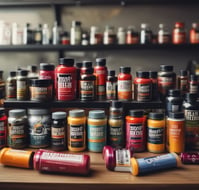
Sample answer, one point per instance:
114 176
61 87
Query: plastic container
182 81
47 71
153 75
194 33
11 86
76 33
145 34
193 84
3 128
111 86
179 34
190 157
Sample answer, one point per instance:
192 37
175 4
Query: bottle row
43 34
86 82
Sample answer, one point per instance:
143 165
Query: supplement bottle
163 35
193 84
47 71
111 86
145 34
179 34
45 34
109 35
78 66
176 132
153 75
2 84
38 35
76 130
11 86
182 82
132 36
194 33
142 87
121 36
125 84
96 37
75 33
58 131
66 80
116 125
96 130
100 70
191 112
39 121
156 132
189 157
17 129
3 128
55 34
136 130
166 80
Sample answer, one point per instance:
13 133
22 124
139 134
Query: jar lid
153 74
174 92
136 113
96 114
38 111
142 74
154 115
111 72
47 67
166 67
22 72
116 104
41 82
13 73
17 113
176 115
87 64
100 61
78 65
67 62
183 73
179 24
109 157
59 115
126 70
76 113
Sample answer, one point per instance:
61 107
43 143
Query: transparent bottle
75 33
38 35
145 34
163 35
121 35
96 36
55 34
45 35
109 35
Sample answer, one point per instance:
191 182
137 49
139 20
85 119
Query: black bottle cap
153 74
46 67
13 73
76 23
183 73
88 70
78 65
100 61
41 82
125 69
116 104
166 67
22 72
193 78
111 72
191 97
142 74
154 115
176 115
174 92
66 61
87 64
136 113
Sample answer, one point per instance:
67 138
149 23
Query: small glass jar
179 34
132 36
194 33
109 35
96 37
164 37
76 33
145 34
121 35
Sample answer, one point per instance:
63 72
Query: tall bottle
38 35
75 33
11 86
55 34
27 35
45 35
182 81
111 86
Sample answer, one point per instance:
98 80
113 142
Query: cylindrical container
100 70
49 161
46 71
116 125
146 165
11 86
109 35
17 128
193 84
76 130
163 35
95 36
145 34
156 132
66 80
117 159
96 130
166 80
173 101
111 86
75 33
17 158
153 75
58 131
3 128
125 84
41 90
142 87
121 35
176 132
45 34
78 66
190 157
39 128
87 87
182 81
191 112
179 34
22 85
194 33
132 36
2 84
136 130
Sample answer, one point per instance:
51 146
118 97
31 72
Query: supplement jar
47 71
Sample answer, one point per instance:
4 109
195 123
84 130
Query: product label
144 92
87 90
124 89
77 133
58 135
11 90
41 93
156 135
96 137
174 107
165 83
179 38
101 91
22 87
193 88
183 85
111 90
3 134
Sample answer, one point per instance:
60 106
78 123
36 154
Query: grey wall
101 16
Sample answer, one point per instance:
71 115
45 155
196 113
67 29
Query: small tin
190 157
50 161
16 158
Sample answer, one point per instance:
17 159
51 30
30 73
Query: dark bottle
38 35
11 86
87 84
174 101
193 84
2 85
191 112
153 75
78 66
166 80
111 86
182 81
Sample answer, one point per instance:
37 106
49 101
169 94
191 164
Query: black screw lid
78 65
47 67
174 92
154 115
125 70
87 64
166 67
193 78
22 72
153 74
176 115
66 62
183 73
100 61
76 23
13 73
116 104
136 113
41 82
111 72
142 74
